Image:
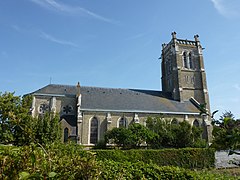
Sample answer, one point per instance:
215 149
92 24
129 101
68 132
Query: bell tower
183 73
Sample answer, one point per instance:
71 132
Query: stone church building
86 113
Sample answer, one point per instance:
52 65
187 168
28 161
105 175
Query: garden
31 148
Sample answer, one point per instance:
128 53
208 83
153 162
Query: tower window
185 61
190 61
94 131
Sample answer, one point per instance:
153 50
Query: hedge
140 170
190 158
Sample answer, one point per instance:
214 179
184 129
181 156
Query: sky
116 44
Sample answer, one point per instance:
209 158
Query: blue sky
116 43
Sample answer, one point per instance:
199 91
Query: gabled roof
121 100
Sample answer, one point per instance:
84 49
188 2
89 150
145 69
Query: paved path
223 160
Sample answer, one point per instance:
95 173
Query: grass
234 172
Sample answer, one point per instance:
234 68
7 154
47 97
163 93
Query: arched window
65 134
185 62
174 121
190 61
196 123
94 131
122 122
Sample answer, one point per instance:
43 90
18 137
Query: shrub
140 170
187 157
58 160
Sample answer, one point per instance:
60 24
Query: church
86 113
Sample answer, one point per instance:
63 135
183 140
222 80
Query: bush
140 170
190 158
58 160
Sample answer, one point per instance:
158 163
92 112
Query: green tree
226 132
47 129
119 136
15 121
18 127
174 135
134 136
140 135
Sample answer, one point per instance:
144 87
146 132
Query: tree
119 136
15 120
226 132
174 135
47 129
140 135
18 127
134 136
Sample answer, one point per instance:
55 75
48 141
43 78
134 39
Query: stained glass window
94 131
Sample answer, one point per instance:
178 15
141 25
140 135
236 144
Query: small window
122 122
94 131
66 134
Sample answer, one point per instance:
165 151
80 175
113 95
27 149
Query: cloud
43 35
227 8
72 10
137 36
56 40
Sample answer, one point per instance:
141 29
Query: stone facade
183 73
86 113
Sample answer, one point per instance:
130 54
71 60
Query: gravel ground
224 161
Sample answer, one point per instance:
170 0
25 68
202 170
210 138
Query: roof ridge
103 88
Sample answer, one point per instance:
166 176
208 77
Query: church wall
105 125
60 103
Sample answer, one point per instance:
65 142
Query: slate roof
122 100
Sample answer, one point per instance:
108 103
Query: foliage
175 135
186 157
226 132
47 129
139 170
132 137
70 161
58 160
158 133
18 127
15 121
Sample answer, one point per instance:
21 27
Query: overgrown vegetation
226 132
70 161
32 148
57 160
18 127
191 158
158 133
